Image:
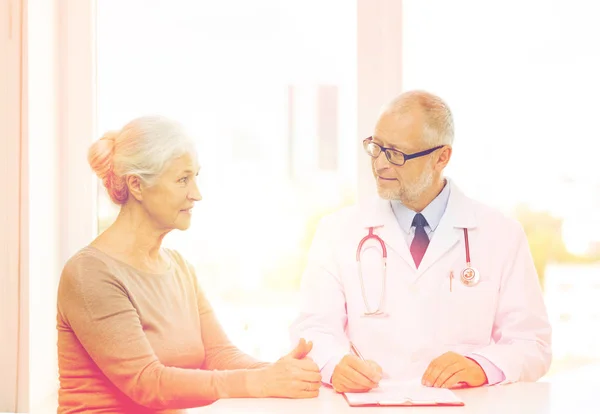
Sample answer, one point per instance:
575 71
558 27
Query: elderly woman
136 333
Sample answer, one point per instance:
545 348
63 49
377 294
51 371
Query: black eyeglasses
393 156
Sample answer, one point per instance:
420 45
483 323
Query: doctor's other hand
352 374
452 370
294 375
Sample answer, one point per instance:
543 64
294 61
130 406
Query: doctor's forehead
402 131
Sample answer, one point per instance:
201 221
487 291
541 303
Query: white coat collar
459 214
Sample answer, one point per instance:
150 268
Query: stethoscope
469 276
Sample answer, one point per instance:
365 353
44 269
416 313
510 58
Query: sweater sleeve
96 306
220 353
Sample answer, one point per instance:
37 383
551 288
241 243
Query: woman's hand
292 376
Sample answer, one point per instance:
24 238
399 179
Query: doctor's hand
352 374
293 376
452 369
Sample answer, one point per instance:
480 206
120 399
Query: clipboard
397 394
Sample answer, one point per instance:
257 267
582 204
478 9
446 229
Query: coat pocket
466 316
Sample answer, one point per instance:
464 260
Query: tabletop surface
531 398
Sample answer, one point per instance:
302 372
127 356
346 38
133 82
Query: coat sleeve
322 318
521 331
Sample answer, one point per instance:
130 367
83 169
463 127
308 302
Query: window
267 88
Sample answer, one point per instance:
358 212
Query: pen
355 351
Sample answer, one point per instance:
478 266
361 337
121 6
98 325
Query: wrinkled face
408 182
170 200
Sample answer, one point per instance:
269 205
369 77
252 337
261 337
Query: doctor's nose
381 163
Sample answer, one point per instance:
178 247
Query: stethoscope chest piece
469 276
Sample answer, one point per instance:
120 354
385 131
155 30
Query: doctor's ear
444 157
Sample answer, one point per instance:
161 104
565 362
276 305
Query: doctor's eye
395 156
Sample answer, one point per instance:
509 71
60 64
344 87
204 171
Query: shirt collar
433 212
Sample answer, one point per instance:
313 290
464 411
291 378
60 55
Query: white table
526 398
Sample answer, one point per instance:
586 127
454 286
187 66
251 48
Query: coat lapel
378 214
459 215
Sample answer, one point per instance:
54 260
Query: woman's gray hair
142 148
439 123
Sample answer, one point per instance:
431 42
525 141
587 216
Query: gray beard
407 195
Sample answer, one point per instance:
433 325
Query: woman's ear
134 184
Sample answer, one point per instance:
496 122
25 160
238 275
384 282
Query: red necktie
421 241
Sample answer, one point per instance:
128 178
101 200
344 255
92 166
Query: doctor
458 302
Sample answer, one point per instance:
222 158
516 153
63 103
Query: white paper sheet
403 392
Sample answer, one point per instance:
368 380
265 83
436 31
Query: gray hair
439 123
142 148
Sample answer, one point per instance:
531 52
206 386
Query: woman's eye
184 180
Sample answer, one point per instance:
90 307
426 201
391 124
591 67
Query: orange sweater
137 342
